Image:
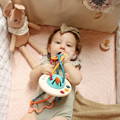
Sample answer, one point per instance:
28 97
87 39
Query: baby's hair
78 46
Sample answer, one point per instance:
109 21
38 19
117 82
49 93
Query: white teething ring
52 91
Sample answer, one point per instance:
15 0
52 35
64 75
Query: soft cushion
72 12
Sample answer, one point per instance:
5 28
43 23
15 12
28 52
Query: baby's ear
75 55
19 12
7 9
20 7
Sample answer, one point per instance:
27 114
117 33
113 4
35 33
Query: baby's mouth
62 53
59 53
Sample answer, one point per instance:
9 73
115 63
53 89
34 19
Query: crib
100 69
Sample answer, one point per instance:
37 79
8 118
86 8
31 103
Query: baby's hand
47 69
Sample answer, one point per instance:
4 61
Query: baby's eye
69 45
58 42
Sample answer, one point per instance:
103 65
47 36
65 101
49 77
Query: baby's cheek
70 53
54 51
68 57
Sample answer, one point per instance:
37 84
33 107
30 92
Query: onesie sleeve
77 63
44 60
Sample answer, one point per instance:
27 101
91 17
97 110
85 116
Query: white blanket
4 68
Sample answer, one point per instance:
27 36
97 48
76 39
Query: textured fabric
64 28
63 108
85 109
118 64
4 68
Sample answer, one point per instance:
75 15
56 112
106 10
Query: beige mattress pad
98 71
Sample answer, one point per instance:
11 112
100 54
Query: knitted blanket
88 110
4 68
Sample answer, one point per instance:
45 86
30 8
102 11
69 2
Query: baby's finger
46 72
49 66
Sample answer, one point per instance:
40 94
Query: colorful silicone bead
62 92
50 76
66 89
67 86
57 80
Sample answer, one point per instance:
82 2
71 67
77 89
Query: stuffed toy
18 25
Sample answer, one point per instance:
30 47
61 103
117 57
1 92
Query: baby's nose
62 48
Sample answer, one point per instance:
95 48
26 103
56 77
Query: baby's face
64 43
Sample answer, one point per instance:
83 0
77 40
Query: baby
65 41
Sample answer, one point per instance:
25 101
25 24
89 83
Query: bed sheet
98 70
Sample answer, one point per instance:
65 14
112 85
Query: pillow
3 2
72 12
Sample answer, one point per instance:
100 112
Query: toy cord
60 59
62 68
35 102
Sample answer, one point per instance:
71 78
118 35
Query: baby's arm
34 77
74 73
37 72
